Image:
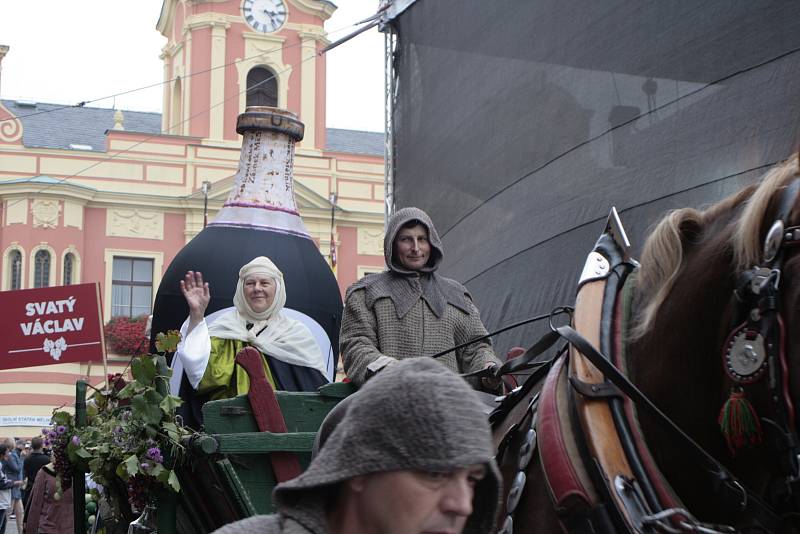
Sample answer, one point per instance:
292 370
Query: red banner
51 325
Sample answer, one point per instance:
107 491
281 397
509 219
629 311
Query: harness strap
732 490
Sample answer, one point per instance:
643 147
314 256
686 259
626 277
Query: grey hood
398 283
396 221
414 415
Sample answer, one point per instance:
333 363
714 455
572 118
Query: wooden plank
264 442
302 412
231 422
238 491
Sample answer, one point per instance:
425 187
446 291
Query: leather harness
616 485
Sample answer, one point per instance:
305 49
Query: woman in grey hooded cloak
408 312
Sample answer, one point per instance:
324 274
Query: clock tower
223 55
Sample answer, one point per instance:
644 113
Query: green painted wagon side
230 475
230 423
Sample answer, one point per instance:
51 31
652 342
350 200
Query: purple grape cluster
154 453
57 438
138 488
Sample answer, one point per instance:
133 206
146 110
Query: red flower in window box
126 335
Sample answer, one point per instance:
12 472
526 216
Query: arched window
41 269
262 87
69 268
175 125
15 263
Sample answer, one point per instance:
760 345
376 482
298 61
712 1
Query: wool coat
299 519
401 313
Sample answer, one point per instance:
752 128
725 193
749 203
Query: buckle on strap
600 390
664 521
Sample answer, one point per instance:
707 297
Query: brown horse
697 329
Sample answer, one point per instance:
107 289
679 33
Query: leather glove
492 382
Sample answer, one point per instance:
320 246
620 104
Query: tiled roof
354 141
55 126
47 126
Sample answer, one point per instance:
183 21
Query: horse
673 410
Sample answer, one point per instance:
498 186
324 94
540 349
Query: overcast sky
69 52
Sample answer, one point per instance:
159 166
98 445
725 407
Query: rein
557 311
733 491
754 355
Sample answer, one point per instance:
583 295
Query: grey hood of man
437 424
437 291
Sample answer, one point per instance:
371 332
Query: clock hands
272 16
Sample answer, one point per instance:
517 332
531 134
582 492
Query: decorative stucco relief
370 241
45 213
10 126
135 223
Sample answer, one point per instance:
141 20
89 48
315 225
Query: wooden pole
78 475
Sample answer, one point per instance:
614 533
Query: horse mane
747 241
663 253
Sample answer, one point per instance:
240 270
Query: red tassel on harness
739 422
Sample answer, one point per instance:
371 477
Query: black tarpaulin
518 125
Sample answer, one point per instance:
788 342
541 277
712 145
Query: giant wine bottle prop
260 218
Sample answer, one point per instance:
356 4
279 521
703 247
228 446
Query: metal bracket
234 410
595 268
617 231
773 241
601 390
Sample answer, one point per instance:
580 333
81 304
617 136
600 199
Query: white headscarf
272 333
264 266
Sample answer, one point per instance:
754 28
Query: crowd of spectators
20 462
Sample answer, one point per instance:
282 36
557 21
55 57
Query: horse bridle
756 352
758 295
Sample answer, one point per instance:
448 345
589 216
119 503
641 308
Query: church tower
223 55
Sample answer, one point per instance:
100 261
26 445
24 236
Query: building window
41 269
176 116
131 286
69 267
15 261
262 88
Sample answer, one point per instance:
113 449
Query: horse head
716 339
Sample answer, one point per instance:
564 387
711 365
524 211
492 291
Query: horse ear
691 228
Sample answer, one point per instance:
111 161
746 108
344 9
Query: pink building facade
98 195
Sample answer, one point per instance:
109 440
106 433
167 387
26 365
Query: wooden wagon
232 467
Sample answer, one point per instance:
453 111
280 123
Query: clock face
264 15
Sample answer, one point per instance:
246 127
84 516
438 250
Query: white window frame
108 256
51 278
76 268
7 266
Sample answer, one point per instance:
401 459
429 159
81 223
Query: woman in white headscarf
292 357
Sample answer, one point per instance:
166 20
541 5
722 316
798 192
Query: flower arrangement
126 335
132 441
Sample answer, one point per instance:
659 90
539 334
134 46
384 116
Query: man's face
412 248
259 291
416 502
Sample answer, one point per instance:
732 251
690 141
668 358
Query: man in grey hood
409 310
412 454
